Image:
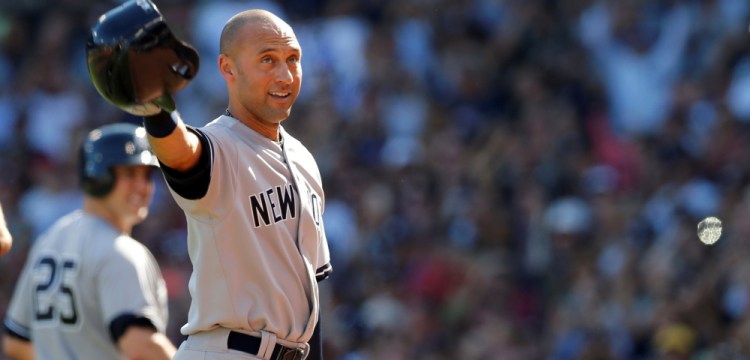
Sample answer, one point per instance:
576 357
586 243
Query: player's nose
284 74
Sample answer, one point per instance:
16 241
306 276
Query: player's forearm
140 343
174 145
17 349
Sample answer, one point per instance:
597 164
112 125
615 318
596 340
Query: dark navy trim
16 330
323 272
192 184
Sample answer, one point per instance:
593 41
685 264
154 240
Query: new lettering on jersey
253 283
275 204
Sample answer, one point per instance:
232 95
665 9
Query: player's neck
270 131
266 129
97 208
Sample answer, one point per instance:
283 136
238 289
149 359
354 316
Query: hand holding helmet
134 60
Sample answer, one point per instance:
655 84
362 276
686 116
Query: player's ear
226 67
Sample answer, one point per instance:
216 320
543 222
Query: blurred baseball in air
709 230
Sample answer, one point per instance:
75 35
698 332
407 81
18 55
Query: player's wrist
162 124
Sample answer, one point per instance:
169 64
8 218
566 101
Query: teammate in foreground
253 198
89 290
6 240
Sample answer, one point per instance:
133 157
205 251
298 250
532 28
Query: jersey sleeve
213 176
130 284
18 319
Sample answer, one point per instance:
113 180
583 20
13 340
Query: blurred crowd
505 179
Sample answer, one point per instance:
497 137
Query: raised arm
174 145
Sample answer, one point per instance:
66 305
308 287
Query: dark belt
251 345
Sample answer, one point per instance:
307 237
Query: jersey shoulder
71 233
128 247
89 238
222 124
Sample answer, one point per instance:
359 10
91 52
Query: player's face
269 72
131 195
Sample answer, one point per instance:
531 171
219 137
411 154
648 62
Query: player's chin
276 116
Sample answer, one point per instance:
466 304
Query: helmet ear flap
95 181
99 187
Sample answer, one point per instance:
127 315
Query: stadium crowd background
505 179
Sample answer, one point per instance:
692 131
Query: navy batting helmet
134 60
110 145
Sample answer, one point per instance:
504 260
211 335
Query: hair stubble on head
233 28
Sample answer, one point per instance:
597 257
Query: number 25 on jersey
54 293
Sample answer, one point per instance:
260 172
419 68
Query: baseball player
252 196
6 240
89 290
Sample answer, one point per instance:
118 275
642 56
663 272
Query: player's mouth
279 94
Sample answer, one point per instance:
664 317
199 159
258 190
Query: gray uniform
256 238
80 276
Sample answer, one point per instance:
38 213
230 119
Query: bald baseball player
253 198
6 240
88 289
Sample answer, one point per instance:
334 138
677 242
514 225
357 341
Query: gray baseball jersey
256 237
80 275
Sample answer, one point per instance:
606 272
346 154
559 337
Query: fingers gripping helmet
134 59
107 146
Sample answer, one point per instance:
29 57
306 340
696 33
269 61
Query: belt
251 345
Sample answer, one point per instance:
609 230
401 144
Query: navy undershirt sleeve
192 184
